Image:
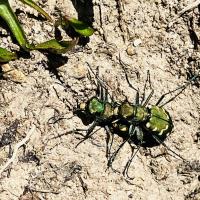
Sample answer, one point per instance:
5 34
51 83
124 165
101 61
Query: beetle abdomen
159 121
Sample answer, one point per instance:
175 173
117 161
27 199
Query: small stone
79 71
130 195
137 42
130 50
14 75
4 40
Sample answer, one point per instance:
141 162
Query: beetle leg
181 88
108 147
126 168
89 132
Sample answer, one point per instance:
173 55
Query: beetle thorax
108 110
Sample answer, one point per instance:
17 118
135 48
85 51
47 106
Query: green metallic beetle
141 124
136 122
153 119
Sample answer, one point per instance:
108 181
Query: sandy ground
50 166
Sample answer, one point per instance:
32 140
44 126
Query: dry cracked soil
147 36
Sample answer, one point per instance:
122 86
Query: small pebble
130 50
79 71
14 75
137 42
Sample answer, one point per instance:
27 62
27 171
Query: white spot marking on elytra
151 119
166 127
155 129
161 132
148 125
123 129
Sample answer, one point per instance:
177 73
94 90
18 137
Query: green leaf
79 26
57 47
9 16
38 8
6 55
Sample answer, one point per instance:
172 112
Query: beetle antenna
148 80
181 88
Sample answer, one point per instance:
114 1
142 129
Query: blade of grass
38 8
9 16
57 47
6 55
80 27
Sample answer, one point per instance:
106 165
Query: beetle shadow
86 119
192 33
54 62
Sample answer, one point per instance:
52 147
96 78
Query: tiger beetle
141 124
136 122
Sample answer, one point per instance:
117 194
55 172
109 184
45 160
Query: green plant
54 45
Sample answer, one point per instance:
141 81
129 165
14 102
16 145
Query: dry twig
17 146
186 9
